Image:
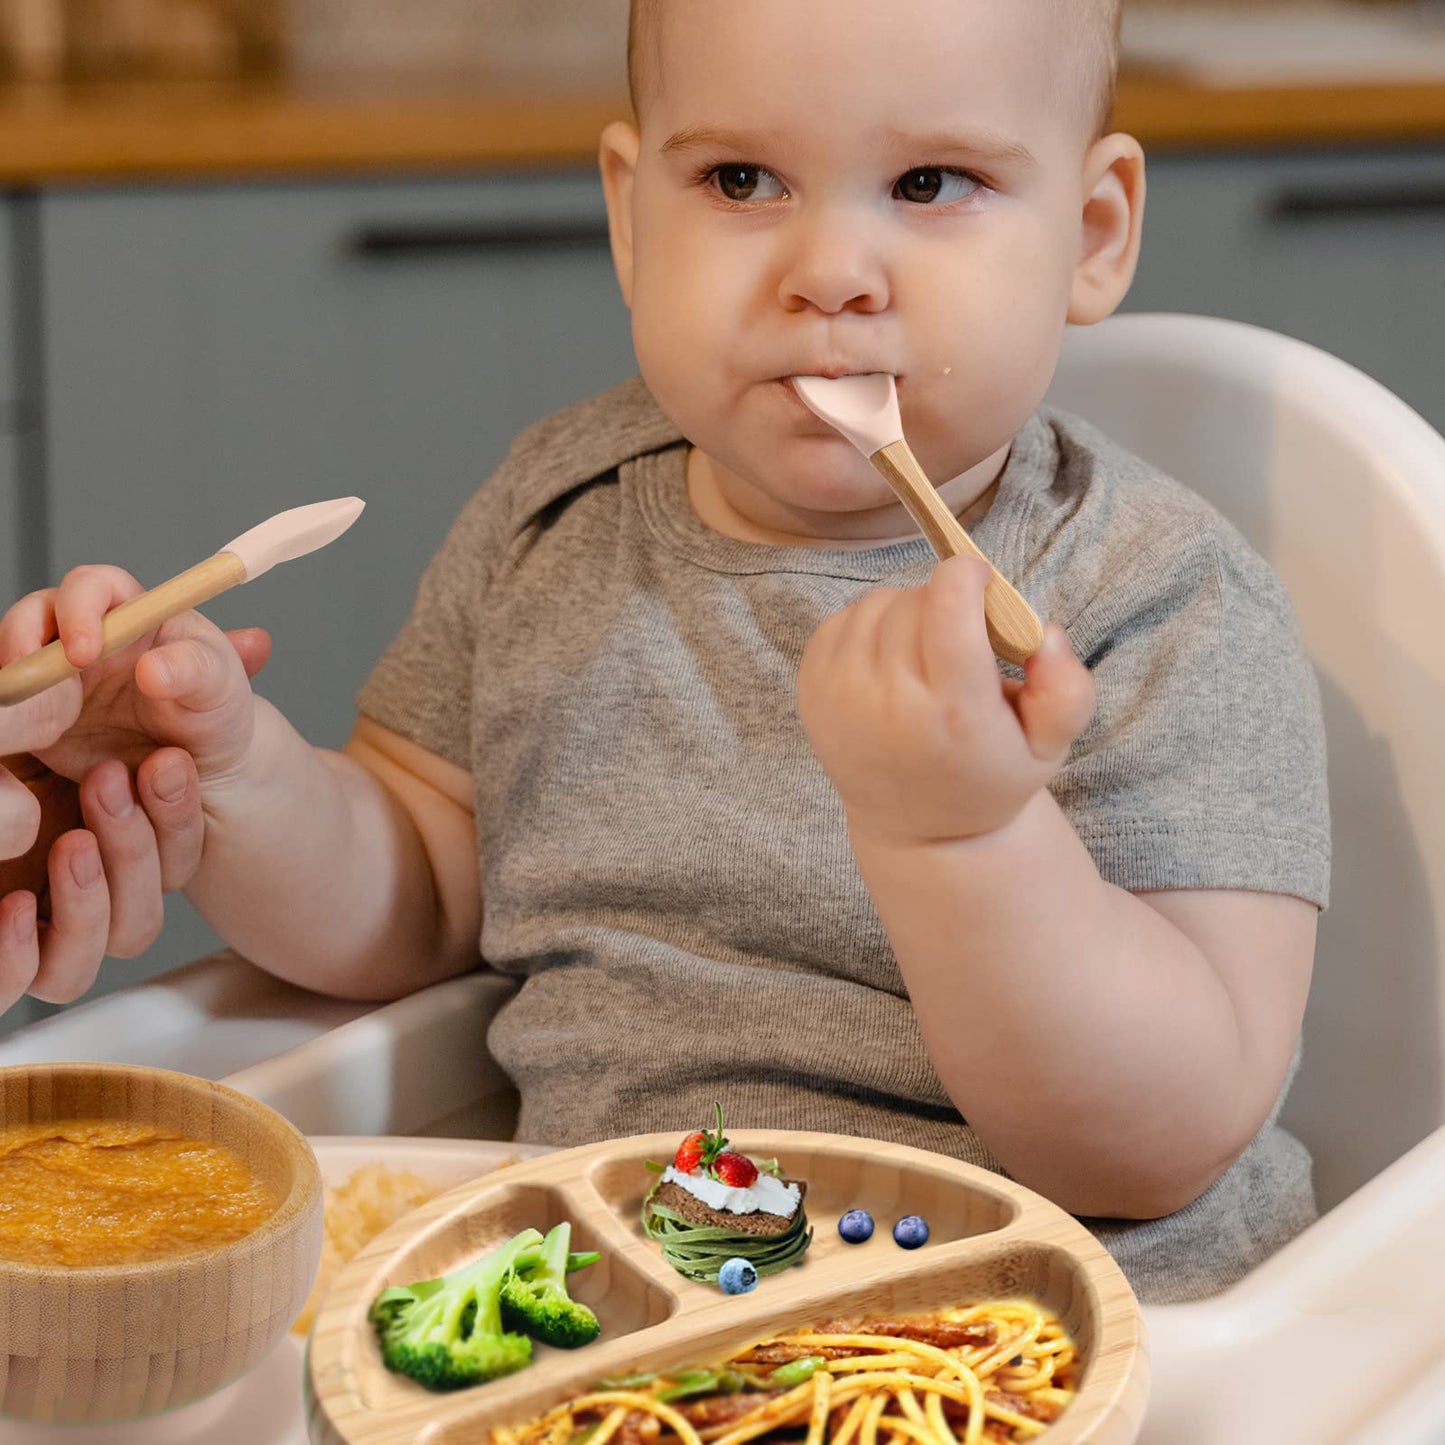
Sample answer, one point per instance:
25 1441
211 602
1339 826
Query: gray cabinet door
1345 250
215 355
15 545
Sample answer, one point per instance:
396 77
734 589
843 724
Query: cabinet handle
1341 202
434 238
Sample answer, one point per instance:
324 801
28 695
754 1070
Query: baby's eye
746 183
931 185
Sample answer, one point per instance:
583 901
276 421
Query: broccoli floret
535 1297
447 1333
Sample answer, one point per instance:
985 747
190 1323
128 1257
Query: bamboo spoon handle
123 625
1013 626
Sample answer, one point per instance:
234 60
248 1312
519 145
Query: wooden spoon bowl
104 1343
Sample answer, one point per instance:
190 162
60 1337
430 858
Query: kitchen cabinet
1345 250
213 355
13 514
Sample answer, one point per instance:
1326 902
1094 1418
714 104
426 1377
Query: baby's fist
904 706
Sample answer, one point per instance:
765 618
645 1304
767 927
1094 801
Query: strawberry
689 1153
735 1170
707 1149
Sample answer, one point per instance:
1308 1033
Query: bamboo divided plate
989 1238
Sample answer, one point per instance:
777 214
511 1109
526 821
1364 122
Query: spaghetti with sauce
977 1374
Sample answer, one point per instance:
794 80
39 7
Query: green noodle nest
698 1251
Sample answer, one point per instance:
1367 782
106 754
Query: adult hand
84 863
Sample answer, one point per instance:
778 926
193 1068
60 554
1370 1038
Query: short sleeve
1204 764
422 685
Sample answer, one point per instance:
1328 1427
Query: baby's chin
850 488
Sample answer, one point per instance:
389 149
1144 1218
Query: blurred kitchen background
260 252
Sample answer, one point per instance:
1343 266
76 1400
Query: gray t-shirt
664 865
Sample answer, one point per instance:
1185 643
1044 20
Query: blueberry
856 1226
737 1276
910 1231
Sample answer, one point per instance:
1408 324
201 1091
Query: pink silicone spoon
278 539
865 410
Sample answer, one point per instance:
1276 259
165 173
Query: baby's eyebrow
704 137
979 144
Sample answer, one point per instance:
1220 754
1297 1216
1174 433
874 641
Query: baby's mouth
832 373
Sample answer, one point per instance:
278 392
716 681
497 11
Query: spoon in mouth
865 410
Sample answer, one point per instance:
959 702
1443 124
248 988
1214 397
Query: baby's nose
834 268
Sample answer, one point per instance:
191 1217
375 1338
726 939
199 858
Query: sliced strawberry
689 1153
735 1170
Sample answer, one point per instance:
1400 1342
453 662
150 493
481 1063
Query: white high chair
1342 488
1340 1337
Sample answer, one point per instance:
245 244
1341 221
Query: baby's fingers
1056 701
85 595
252 646
197 672
954 640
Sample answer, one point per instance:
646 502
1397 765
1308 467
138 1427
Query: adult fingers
28 624
19 946
19 816
128 856
1057 698
72 944
36 723
40 721
170 792
85 595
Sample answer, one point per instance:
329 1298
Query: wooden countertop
295 126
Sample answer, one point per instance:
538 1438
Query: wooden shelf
77 134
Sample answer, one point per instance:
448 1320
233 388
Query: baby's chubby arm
1116 1052
353 873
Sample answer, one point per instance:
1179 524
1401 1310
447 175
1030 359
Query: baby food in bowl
160 1233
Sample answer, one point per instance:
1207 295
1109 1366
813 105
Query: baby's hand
904 706
186 685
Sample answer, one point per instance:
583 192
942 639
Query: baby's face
832 186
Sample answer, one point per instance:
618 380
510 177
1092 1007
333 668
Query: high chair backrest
1342 488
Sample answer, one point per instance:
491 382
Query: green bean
702 1382
796 1371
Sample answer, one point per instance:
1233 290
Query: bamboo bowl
990 1238
115 1342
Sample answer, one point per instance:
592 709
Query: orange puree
94 1191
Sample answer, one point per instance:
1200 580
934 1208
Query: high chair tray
989 1239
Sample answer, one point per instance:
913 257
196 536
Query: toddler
689 734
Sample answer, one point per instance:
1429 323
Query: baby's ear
1112 222
617 159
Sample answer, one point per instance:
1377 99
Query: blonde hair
1093 37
